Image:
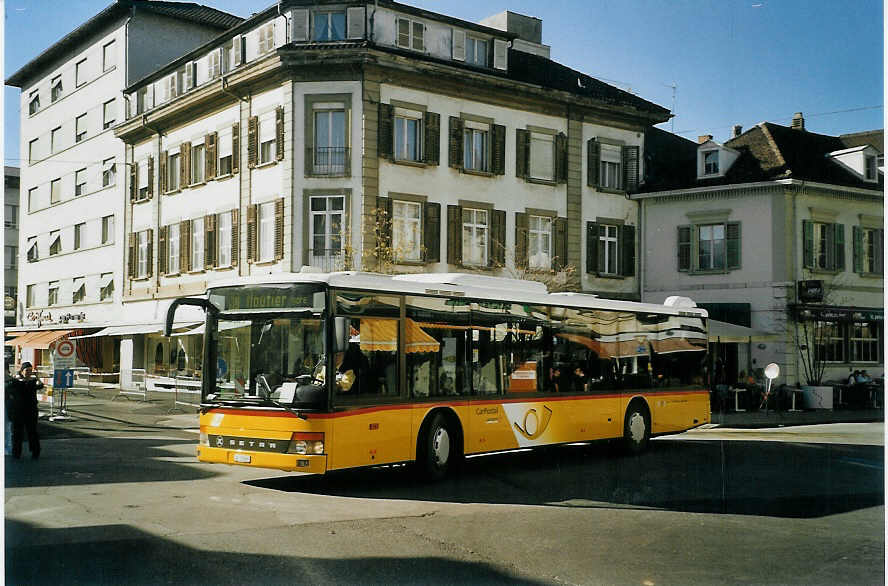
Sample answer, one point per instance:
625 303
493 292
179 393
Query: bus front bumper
311 464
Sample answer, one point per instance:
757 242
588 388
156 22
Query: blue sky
732 61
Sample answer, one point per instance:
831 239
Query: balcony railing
327 260
328 161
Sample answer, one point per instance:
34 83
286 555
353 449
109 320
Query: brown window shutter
235 148
184 165
162 252
593 163
630 168
279 129
522 152
235 236
431 232
591 247
384 226
162 171
134 181
432 147
499 149
150 177
252 141
627 251
559 235
150 270
385 131
455 144
209 241
279 229
496 256
131 257
521 227
184 246
210 155
560 158
251 232
454 235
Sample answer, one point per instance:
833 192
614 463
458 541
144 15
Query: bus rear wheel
438 449
636 429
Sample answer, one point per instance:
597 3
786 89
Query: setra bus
315 372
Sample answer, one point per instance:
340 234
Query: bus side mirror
341 333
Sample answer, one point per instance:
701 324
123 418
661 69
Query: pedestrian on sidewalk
21 408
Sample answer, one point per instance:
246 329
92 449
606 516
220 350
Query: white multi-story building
375 136
72 189
10 242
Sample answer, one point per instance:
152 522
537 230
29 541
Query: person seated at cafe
852 378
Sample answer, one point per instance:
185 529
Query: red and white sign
63 355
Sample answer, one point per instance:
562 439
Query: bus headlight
204 439
306 443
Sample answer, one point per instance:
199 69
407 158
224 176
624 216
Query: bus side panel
368 437
676 412
488 428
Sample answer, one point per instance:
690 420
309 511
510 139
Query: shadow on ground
121 554
747 478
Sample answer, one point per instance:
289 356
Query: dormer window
329 26
871 168
710 163
476 51
410 34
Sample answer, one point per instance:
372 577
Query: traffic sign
64 355
63 378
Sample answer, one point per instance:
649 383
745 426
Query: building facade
778 229
71 231
10 243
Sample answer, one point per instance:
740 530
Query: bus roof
466 285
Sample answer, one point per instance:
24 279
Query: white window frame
224 148
611 166
55 191
871 168
542 156
55 139
173 243
142 187
109 113
473 158
198 164
539 241
79 235
10 215
80 182
404 119
56 89
870 250
55 243
142 254
80 73
106 287
265 224
174 160
32 150
833 339
109 172
608 249
223 240
52 293
11 254
30 295
332 239
335 164
267 139
108 229
33 253
265 42
863 347
473 55
78 290
410 40
718 246
407 230
214 64
108 51
475 236
80 130
34 103
328 36
197 244
824 246
711 164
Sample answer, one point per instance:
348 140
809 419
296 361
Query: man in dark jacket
21 408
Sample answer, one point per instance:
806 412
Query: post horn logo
535 423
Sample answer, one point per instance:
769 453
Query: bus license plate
242 458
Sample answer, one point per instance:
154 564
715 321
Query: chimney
704 138
736 131
798 121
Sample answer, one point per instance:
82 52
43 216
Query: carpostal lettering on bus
486 411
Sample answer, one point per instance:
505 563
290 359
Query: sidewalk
161 411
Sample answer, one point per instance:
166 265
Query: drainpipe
642 247
795 261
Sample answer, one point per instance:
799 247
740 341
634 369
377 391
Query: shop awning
132 330
40 340
720 331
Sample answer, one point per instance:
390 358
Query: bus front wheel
636 428
438 448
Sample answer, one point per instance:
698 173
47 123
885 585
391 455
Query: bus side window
436 347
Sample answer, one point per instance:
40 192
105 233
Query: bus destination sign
270 298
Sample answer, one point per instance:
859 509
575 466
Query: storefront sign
810 291
838 314
9 303
43 316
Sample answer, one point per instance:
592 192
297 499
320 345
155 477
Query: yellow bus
315 372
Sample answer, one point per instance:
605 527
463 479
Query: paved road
115 502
